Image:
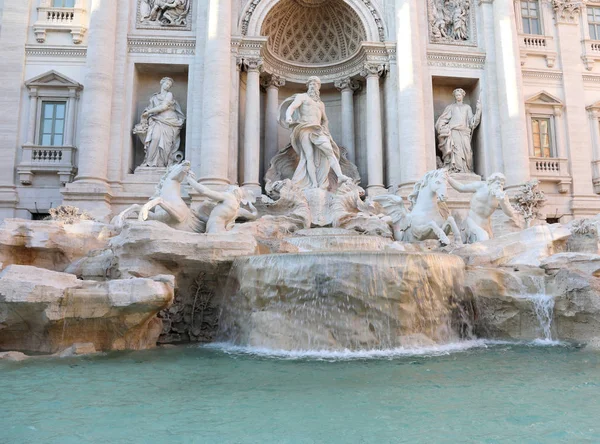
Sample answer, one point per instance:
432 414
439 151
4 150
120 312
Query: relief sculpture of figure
488 195
455 131
165 12
160 127
310 138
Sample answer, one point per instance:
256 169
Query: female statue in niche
455 130
160 127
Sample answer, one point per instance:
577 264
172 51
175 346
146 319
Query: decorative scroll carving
164 14
347 83
374 69
567 11
253 64
450 21
272 80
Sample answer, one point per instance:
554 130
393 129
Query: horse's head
439 184
179 171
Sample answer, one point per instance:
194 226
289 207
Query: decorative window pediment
50 146
545 103
53 79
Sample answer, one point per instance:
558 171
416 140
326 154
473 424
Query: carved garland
376 17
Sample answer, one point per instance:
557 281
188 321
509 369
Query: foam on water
347 355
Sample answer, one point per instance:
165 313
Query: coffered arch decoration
256 11
332 39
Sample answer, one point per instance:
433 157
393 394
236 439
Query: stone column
271 83
14 22
90 190
216 120
513 127
234 140
372 72
490 122
347 87
410 54
251 171
33 102
584 202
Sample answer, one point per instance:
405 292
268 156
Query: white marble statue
429 217
165 12
488 195
455 130
228 206
160 127
311 139
166 205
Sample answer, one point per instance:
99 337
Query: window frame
40 121
530 18
595 8
63 3
551 134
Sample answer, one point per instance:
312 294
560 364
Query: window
530 14
63 3
593 15
52 128
542 139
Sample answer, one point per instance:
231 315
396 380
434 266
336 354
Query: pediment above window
53 79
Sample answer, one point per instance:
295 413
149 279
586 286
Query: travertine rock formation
336 301
47 311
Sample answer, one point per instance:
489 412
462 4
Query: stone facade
76 77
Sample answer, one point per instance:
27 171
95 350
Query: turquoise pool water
467 393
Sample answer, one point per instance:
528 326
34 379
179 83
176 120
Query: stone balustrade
591 53
551 169
538 45
47 159
71 20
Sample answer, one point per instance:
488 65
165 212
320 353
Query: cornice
55 51
161 45
456 60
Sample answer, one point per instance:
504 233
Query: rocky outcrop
46 311
515 303
49 244
343 300
524 248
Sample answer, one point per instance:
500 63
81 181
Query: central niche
313 31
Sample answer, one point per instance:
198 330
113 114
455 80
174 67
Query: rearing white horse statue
429 217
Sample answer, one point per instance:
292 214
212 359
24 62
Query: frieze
145 45
55 51
541 75
453 60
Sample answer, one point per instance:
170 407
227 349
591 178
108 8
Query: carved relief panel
451 22
164 14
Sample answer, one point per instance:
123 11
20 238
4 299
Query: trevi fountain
302 307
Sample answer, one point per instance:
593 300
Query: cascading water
343 300
543 305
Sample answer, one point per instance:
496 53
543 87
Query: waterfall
543 306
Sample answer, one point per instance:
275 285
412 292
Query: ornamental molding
456 60
591 78
55 51
365 7
555 76
373 53
567 11
155 45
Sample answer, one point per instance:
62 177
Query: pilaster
251 171
347 87
271 83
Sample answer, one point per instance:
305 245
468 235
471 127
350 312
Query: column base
585 206
376 190
8 201
94 198
254 187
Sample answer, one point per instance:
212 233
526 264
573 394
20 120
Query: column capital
33 92
239 63
253 64
272 81
371 69
567 11
347 84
